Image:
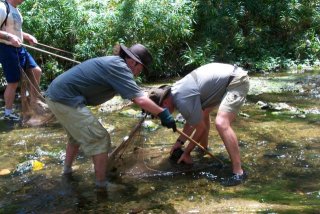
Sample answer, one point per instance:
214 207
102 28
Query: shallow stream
279 136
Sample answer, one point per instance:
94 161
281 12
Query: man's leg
34 76
206 118
72 151
9 97
37 74
100 165
229 138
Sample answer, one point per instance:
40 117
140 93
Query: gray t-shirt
200 89
93 82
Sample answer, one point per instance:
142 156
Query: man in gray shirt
92 83
195 96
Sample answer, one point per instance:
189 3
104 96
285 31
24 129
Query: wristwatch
180 141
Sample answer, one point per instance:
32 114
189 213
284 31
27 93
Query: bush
182 35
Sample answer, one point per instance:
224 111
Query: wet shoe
235 179
12 117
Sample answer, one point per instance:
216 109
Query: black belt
229 80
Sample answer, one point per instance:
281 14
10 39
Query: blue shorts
13 59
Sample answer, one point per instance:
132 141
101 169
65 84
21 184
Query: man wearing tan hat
93 82
195 96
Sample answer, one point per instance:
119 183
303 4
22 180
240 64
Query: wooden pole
199 145
47 52
57 49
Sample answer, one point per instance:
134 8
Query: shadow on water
280 149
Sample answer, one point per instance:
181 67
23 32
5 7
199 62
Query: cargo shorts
82 127
236 93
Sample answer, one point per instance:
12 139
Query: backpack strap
8 11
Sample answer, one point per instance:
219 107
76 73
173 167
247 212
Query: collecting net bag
34 110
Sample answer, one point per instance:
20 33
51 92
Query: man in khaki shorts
195 96
93 82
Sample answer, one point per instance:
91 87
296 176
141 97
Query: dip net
141 157
34 110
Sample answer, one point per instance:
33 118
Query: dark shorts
13 59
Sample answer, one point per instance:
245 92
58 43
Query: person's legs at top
9 97
9 59
30 64
37 74
34 73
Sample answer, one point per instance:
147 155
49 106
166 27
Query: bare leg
9 95
100 164
72 151
37 74
35 82
205 136
229 138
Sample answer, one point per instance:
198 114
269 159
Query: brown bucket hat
157 95
140 54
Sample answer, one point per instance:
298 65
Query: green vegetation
182 34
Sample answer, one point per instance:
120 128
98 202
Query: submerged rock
150 125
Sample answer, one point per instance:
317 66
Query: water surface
280 150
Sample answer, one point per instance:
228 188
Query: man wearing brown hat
195 96
93 82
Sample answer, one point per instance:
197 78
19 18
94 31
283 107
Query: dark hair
123 54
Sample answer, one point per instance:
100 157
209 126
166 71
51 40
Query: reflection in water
280 152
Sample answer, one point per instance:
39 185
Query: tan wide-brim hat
157 95
140 54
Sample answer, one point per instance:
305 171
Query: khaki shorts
236 94
82 127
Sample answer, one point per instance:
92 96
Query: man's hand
14 40
31 39
167 120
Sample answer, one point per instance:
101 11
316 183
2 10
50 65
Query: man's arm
4 35
28 37
13 39
148 105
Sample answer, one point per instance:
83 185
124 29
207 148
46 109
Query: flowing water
278 131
